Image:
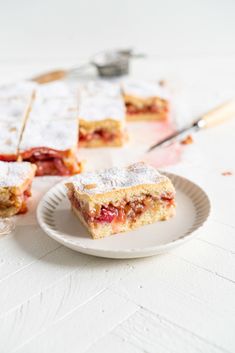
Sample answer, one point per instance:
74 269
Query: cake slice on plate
15 187
145 100
121 199
101 115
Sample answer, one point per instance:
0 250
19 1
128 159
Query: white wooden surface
55 300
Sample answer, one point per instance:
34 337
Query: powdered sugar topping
60 134
15 100
54 108
117 178
9 136
20 90
53 120
14 173
143 89
101 100
55 101
54 90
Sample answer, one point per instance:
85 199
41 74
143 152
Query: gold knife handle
219 115
50 76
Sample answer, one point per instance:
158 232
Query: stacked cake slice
101 115
39 124
50 136
145 100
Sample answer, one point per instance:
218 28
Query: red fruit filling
107 214
26 194
168 200
51 162
125 210
8 158
153 108
99 134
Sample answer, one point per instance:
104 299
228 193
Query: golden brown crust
117 142
162 116
162 112
11 205
125 193
12 199
93 125
140 101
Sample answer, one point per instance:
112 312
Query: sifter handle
50 76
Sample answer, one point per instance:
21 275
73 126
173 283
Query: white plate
193 207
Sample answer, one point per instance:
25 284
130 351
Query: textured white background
55 300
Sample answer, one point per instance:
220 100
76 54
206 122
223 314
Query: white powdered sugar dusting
55 101
14 173
101 108
53 120
117 178
9 136
13 109
54 108
15 100
60 134
100 87
22 89
54 90
99 100
143 89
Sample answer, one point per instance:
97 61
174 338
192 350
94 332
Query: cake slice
50 136
52 146
145 100
15 187
101 115
121 199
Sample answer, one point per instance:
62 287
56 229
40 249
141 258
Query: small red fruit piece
107 214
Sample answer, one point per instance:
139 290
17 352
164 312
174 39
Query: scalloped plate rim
134 252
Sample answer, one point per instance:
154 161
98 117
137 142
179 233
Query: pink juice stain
164 156
150 133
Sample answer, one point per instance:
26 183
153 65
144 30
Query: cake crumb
227 173
162 83
188 140
8 142
12 129
90 186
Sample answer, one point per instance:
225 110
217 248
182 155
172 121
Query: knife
214 117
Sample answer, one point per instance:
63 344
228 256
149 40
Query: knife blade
214 117
176 135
